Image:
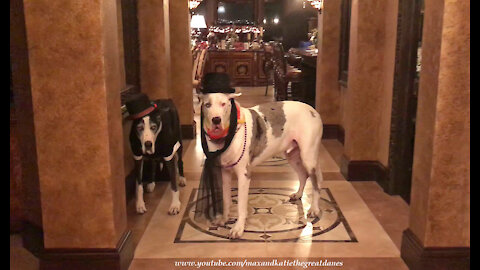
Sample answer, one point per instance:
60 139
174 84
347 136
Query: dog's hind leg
172 172
140 203
309 156
295 161
317 179
183 180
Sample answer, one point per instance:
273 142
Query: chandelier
318 4
193 4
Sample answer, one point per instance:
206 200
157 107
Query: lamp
198 21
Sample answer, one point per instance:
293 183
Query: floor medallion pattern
272 217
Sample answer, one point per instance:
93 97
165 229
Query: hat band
142 113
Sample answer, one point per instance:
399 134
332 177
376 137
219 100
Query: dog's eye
208 105
223 104
153 127
140 128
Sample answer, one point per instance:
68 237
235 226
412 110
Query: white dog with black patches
288 127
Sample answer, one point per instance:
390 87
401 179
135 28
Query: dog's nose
148 144
216 120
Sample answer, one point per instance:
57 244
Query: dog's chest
263 137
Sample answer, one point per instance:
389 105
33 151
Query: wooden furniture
288 79
307 62
199 60
268 66
245 68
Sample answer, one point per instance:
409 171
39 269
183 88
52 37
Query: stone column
368 97
154 36
181 89
328 88
75 92
439 233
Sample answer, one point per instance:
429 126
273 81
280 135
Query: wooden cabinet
245 68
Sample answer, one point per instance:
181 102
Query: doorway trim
404 100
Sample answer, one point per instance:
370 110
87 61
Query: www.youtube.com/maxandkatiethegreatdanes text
252 263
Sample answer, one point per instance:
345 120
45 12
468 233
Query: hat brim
142 113
216 91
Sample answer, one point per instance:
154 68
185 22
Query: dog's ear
135 143
234 95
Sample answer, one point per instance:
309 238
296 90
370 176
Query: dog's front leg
243 187
172 172
140 203
151 185
227 197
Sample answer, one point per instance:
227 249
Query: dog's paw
295 196
141 207
313 212
237 231
182 182
150 187
174 208
220 221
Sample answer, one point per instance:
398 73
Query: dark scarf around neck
209 202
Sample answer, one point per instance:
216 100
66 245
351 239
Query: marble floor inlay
272 217
346 228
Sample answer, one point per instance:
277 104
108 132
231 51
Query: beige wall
181 89
363 108
121 54
154 36
367 100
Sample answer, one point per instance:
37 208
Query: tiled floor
348 230
360 226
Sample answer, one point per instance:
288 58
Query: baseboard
363 170
334 132
417 257
188 131
118 258
341 135
32 238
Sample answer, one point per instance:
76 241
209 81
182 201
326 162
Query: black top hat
216 83
139 105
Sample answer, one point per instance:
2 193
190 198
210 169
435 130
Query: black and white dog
156 138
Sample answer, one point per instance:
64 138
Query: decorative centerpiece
212 40
313 37
232 38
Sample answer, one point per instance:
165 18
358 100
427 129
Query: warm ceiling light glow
193 4
318 4
276 20
221 9
264 20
